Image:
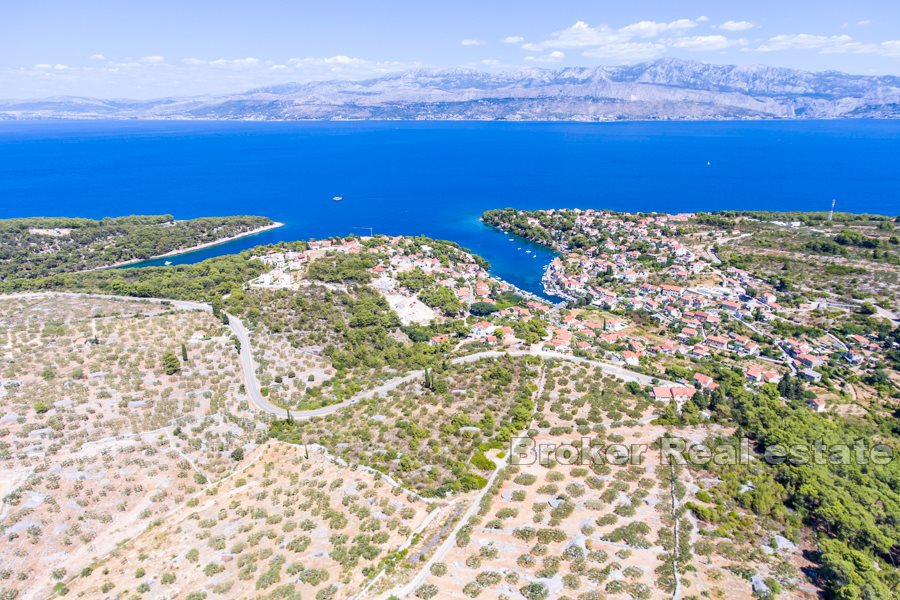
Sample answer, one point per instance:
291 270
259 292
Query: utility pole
371 230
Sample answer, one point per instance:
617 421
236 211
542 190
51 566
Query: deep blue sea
436 178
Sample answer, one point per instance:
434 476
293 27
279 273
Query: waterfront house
482 329
718 342
705 381
631 358
760 376
810 375
679 393
817 404
810 360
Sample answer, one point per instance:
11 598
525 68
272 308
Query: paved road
183 304
260 402
611 369
608 368
712 254
248 368
775 341
251 383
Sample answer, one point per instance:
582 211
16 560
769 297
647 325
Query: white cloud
702 19
245 62
602 41
579 35
706 43
647 40
644 40
471 42
223 62
153 59
351 67
97 57
802 41
338 60
152 78
626 51
829 44
864 22
736 25
553 57
655 28
489 62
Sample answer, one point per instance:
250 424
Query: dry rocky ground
594 530
96 440
286 372
425 437
123 481
291 523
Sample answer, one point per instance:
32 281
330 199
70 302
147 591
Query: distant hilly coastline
666 89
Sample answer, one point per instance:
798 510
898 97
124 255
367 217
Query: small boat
528 252
337 198
708 163
167 263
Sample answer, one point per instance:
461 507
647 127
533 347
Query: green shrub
482 462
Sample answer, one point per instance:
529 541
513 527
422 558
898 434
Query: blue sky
139 49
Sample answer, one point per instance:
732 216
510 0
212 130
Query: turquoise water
437 178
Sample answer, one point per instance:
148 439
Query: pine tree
170 362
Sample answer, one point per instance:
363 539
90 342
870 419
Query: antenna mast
831 212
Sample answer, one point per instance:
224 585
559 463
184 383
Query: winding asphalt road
251 383
252 387
261 403
248 366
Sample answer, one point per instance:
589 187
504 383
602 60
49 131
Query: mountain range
666 89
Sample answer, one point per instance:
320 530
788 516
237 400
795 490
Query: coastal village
631 292
673 307
351 402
